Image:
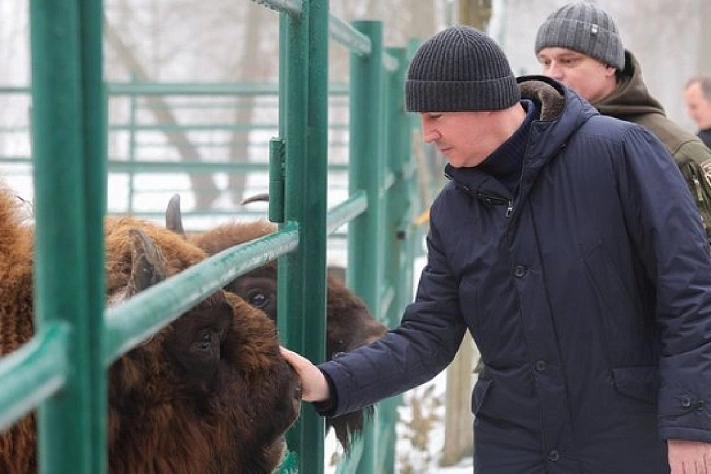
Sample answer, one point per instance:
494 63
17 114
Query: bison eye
205 342
258 299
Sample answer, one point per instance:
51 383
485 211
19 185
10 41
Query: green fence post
399 217
303 301
69 146
365 244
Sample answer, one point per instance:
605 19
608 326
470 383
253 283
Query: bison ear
264 197
173 217
148 265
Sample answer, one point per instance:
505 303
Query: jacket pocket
640 383
479 394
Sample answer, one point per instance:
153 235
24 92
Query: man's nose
553 71
429 134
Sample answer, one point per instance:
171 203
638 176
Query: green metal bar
305 129
291 7
346 211
94 102
144 314
348 36
367 163
66 81
356 42
365 243
173 88
33 373
165 167
276 179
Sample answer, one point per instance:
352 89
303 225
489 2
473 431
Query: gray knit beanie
460 69
585 28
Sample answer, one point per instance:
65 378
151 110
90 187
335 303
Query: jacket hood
631 97
561 112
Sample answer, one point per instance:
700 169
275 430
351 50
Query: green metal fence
62 371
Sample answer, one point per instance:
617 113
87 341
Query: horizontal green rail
346 211
341 31
141 316
143 166
33 373
176 88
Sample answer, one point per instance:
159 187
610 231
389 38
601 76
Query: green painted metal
39 368
346 211
68 136
63 368
367 167
365 251
302 274
277 156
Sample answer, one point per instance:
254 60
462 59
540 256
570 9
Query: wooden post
459 421
476 13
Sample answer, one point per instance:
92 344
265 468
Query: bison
207 394
349 323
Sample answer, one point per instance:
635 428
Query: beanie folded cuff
461 96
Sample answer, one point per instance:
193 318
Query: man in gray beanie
569 248
579 45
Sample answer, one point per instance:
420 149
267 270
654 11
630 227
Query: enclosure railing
62 371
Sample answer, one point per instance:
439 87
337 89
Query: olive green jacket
632 102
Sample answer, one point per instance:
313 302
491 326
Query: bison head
349 323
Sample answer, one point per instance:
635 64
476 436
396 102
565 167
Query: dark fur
349 324
208 394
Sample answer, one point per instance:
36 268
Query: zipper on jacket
493 200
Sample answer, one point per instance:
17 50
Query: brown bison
349 323
208 394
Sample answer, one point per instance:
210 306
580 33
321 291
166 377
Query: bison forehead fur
208 394
349 324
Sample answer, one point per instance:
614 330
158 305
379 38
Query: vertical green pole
69 147
401 202
365 239
302 273
94 163
399 212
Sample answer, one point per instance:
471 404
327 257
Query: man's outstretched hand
314 387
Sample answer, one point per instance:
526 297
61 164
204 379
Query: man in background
580 46
697 96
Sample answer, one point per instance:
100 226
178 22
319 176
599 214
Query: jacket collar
562 112
631 96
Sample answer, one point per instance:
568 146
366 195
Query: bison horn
264 197
173 216
148 265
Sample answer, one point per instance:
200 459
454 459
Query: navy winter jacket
588 294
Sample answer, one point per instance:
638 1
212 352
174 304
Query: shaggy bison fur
208 394
349 323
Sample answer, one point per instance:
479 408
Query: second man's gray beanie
460 69
585 28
